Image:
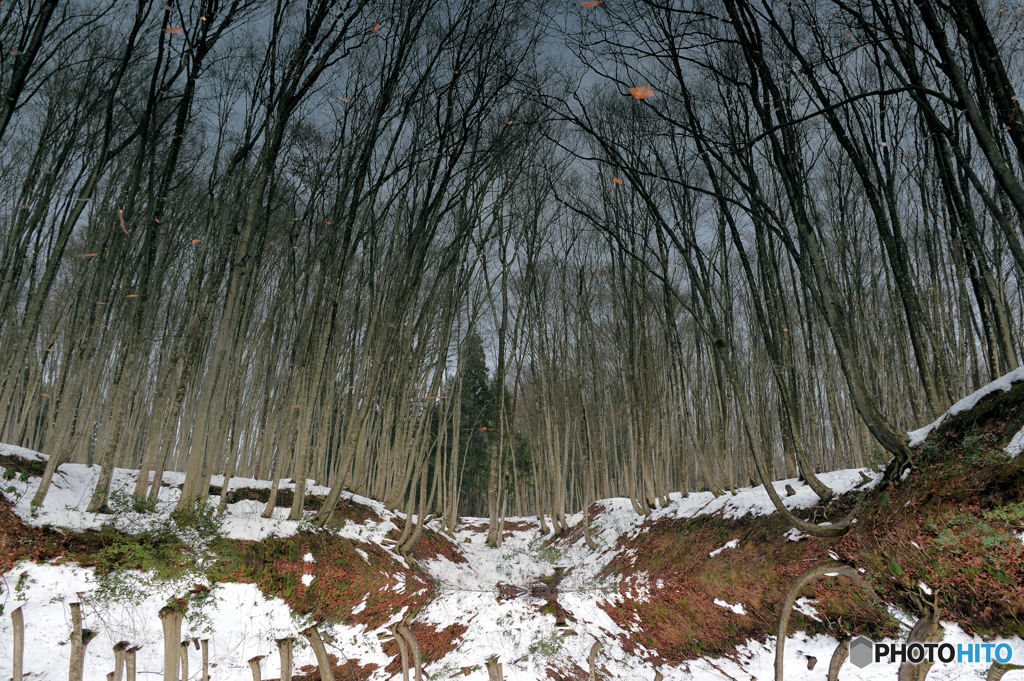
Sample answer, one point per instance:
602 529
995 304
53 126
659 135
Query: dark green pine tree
479 413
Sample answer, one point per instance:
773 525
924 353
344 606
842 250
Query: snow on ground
731 544
756 661
519 634
805 606
21 452
755 500
73 483
793 534
1016 445
735 607
1003 383
240 622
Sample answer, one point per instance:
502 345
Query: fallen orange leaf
616 180
173 29
346 100
296 406
195 241
90 255
45 394
132 295
376 25
641 92
590 3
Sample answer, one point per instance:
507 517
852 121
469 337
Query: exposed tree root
794 591
996 671
592 660
927 629
838 658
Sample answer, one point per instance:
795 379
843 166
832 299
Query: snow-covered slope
1003 383
493 594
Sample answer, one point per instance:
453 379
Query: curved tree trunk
787 607
842 652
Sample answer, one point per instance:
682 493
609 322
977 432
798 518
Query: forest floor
693 590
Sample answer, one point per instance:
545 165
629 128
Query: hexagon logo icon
862 651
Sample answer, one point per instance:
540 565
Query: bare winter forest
503 256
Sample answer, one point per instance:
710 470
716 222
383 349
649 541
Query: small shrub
172 549
979 449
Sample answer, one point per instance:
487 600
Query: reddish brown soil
430 545
953 524
519 525
19 541
350 670
343 578
680 620
561 670
434 644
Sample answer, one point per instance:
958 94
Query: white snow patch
307 579
925 588
731 544
793 534
1016 445
72 485
737 608
805 606
21 452
308 558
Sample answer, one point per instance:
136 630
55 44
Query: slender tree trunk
284 649
80 639
18 651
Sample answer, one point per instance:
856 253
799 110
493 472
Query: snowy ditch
240 622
